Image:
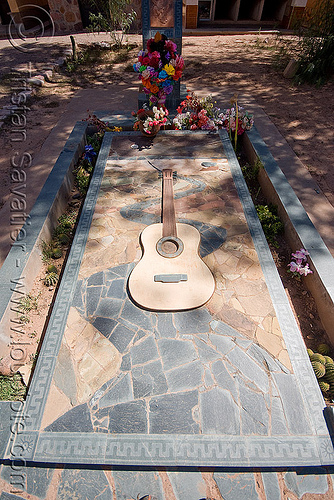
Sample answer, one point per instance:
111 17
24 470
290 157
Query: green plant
111 16
12 388
319 369
323 349
57 253
51 279
271 223
47 249
316 32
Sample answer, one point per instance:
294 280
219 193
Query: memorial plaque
162 13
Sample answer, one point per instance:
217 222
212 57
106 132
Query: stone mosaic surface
183 372
132 387
108 483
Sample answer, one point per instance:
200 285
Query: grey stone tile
109 308
206 352
117 289
136 316
224 329
96 279
34 480
77 296
119 392
208 379
185 377
165 326
137 483
224 379
126 363
187 485
105 325
8 411
278 422
93 298
173 414
144 351
195 321
176 352
271 486
238 486
249 368
254 418
220 414
223 344
121 337
263 358
64 375
76 420
293 404
128 418
139 335
315 483
149 380
84 483
8 496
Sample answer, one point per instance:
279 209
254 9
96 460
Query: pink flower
300 254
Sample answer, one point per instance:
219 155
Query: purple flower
89 153
300 254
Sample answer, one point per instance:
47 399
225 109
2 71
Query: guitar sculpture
170 276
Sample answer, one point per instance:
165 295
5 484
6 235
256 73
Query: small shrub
12 388
271 223
51 279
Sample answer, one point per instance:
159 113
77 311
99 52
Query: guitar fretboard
168 209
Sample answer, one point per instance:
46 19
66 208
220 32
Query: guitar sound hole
169 247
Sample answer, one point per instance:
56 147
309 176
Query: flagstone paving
225 385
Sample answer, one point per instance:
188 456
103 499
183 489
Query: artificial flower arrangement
159 67
299 266
236 120
149 121
196 113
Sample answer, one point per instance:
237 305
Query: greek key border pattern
186 450
46 361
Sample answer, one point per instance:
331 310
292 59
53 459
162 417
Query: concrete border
23 262
299 229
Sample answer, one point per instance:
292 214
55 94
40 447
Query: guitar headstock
167 173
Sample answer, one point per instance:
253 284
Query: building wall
66 15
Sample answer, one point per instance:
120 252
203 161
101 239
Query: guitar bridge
170 278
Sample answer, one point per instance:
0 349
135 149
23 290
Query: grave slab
222 404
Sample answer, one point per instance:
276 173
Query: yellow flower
170 70
117 129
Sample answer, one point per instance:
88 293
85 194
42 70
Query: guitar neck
168 209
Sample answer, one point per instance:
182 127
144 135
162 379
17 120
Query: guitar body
171 283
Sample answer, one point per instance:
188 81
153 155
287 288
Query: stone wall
66 15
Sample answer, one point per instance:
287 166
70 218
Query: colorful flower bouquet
149 121
196 114
297 266
236 120
159 67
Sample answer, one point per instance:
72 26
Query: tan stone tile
284 358
88 367
105 353
255 304
270 342
236 305
254 272
57 404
